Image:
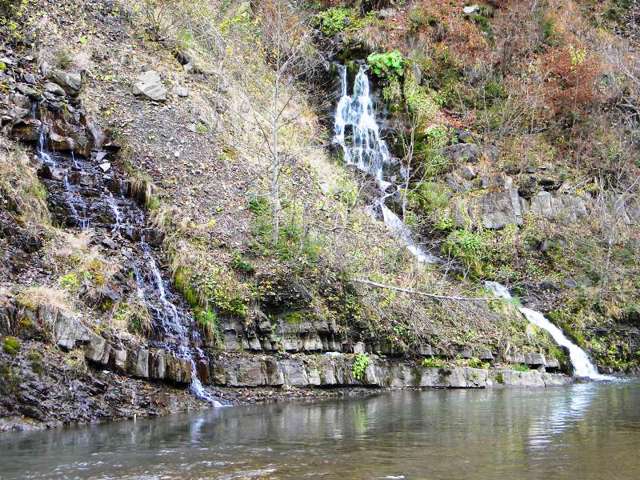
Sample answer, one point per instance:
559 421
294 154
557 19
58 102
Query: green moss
294 318
521 367
427 197
467 247
500 378
11 345
36 360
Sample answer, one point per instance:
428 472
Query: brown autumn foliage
571 78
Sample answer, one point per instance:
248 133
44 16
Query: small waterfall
358 134
582 366
90 196
368 151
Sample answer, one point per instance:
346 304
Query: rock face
564 209
150 85
336 370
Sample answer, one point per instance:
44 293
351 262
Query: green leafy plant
433 362
467 247
521 367
387 64
477 363
240 264
333 20
360 365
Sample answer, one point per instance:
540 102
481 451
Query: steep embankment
190 144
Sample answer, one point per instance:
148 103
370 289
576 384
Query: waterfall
124 220
582 366
357 132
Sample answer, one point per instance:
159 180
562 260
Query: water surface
587 431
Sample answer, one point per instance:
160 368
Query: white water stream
582 366
357 132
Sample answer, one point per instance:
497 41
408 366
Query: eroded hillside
517 126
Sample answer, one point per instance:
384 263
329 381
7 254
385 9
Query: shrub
360 365
240 264
11 345
572 74
420 17
467 247
433 362
333 20
429 197
387 65
477 363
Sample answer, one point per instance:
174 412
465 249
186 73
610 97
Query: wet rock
178 370
294 373
28 91
26 130
150 85
118 360
519 379
158 365
68 331
59 143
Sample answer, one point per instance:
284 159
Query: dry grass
21 192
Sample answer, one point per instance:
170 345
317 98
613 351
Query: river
585 431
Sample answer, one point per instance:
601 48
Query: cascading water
582 366
364 148
85 195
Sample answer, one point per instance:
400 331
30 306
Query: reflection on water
587 431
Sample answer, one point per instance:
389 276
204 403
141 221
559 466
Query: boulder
462 152
70 82
68 331
26 130
118 360
249 373
150 85
535 359
499 209
54 89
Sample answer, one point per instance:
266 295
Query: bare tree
289 48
